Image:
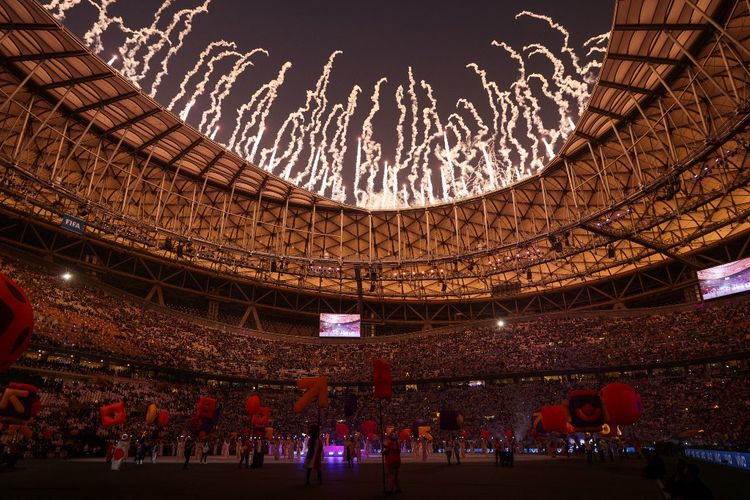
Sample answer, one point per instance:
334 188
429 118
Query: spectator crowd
78 316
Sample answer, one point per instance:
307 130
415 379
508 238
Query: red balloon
16 322
342 429
485 434
163 419
251 405
369 427
622 404
554 419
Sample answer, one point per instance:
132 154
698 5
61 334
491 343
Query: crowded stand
703 407
89 319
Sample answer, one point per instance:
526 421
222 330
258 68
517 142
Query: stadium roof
619 195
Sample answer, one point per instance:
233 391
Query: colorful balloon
16 322
622 404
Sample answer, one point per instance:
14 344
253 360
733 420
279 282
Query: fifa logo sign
73 224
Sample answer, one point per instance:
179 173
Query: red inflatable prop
585 410
163 419
382 379
113 414
622 404
206 407
554 419
16 322
486 435
342 429
252 403
369 427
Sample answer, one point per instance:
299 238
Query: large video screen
726 279
339 325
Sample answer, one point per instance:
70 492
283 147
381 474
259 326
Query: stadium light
66 276
500 323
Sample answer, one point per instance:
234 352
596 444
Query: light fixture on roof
66 276
500 323
111 60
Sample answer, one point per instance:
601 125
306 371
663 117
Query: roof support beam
238 174
185 151
49 55
130 122
210 164
586 136
644 59
76 81
105 102
159 137
661 27
608 114
642 242
29 27
627 88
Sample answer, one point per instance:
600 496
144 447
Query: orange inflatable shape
151 413
113 414
315 387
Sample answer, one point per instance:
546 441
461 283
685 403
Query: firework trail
400 123
222 44
59 7
578 89
339 143
223 87
200 88
593 44
321 103
409 162
140 38
93 37
566 37
469 152
529 107
370 148
174 49
261 105
315 100
337 108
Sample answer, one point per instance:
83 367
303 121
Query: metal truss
153 278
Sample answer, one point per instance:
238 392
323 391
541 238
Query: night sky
437 39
